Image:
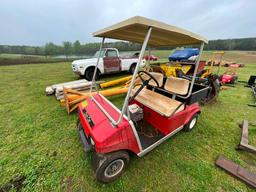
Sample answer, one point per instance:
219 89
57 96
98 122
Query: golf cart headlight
92 142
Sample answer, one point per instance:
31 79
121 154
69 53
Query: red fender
193 110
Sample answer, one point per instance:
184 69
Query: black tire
191 124
233 80
109 167
132 68
82 76
89 74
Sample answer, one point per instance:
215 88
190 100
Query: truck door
111 62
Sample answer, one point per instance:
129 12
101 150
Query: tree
77 48
50 49
67 48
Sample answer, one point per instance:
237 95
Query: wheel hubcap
114 168
192 123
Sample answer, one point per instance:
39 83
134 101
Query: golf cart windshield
148 32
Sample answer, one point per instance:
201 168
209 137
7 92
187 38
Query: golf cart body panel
106 137
166 125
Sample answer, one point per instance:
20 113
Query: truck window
111 53
96 55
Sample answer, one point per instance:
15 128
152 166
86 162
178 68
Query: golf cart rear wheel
109 167
191 124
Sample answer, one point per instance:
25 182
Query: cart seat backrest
159 77
176 85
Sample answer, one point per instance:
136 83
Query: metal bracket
244 143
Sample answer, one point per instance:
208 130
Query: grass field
39 141
15 59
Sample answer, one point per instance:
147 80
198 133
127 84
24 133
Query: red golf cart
152 112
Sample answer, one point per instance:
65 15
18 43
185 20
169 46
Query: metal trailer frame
126 101
237 171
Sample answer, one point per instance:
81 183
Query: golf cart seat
158 102
177 85
159 78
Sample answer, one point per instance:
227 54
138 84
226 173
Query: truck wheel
132 68
89 74
191 124
109 167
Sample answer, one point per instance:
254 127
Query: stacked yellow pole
115 82
73 98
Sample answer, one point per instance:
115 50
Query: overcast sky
35 22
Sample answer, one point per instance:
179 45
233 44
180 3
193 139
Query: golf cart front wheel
109 167
191 124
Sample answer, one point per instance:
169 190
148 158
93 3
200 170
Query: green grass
39 140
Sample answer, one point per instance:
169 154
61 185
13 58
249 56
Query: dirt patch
16 183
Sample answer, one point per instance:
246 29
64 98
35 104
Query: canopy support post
195 72
96 67
196 67
126 101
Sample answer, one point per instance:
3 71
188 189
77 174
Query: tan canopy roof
135 30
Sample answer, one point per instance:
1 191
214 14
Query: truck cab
109 62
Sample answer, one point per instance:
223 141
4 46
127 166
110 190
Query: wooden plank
49 90
54 86
244 139
237 171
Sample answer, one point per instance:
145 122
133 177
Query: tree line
76 48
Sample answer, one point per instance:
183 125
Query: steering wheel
145 82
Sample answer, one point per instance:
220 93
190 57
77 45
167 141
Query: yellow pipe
109 92
115 82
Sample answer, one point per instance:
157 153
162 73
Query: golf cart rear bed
198 95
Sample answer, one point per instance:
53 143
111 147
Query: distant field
39 140
15 59
237 56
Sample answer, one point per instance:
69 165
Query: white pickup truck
109 62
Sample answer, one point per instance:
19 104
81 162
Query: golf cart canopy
136 28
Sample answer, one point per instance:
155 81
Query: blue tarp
184 54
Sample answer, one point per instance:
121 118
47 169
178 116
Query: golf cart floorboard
148 134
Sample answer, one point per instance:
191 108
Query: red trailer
152 112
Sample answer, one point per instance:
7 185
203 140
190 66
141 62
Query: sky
36 22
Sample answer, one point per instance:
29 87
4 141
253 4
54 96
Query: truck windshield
96 55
